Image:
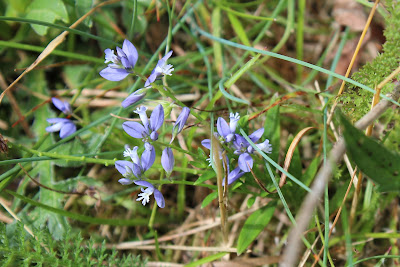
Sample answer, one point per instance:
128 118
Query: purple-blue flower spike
133 98
144 197
167 160
161 69
180 123
63 106
65 126
121 65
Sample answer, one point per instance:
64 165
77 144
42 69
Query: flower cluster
228 137
122 65
133 171
65 126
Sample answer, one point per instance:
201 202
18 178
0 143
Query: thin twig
291 252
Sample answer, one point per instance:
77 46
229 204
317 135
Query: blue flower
180 123
121 65
65 126
228 131
161 69
167 160
134 97
136 168
241 147
144 197
63 106
234 175
147 131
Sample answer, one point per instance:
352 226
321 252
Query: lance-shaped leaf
374 160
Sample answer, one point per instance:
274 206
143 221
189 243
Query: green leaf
207 200
206 176
254 225
47 11
374 160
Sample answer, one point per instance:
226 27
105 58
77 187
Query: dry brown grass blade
353 59
53 44
289 154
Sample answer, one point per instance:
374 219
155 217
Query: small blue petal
125 62
206 143
113 74
120 52
143 183
157 118
151 79
130 52
133 98
120 165
154 136
234 175
256 135
167 160
245 161
125 181
159 198
148 157
67 129
134 129
181 120
59 104
223 127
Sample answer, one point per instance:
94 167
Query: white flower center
145 195
110 56
164 69
132 153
